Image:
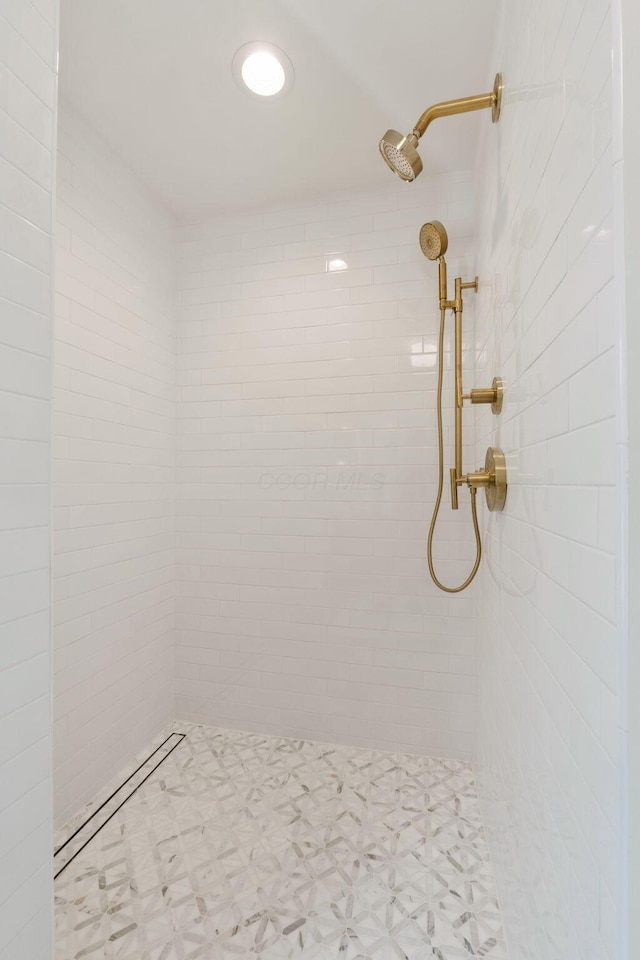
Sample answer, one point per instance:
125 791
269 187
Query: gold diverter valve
493 479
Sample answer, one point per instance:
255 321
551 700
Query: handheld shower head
401 153
433 240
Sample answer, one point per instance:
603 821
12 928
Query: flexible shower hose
474 512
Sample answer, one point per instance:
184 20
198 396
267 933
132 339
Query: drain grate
93 824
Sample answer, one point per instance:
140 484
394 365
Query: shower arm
449 108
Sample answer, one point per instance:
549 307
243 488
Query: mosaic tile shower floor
247 846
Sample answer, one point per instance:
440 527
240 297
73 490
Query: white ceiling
154 78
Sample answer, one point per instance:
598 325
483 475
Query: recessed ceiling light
262 69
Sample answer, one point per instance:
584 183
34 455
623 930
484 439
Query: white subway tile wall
307 472
114 490
28 40
549 644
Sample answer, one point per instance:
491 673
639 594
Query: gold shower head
433 240
401 153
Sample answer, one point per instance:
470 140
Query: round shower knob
495 466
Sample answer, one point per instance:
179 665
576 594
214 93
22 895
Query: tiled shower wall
27 133
114 466
549 643
306 468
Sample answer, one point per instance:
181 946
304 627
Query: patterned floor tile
246 847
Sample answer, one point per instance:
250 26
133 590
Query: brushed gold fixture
493 479
434 241
400 153
493 395
495 467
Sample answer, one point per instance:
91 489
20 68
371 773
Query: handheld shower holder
491 479
493 395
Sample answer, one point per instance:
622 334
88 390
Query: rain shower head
433 240
400 153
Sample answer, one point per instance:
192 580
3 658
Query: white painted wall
114 466
550 632
307 470
28 44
